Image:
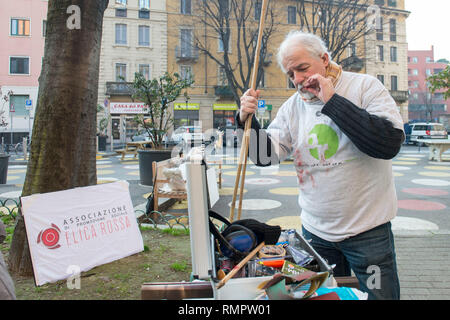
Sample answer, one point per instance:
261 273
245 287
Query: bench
125 151
158 171
436 147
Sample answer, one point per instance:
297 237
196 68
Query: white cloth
343 191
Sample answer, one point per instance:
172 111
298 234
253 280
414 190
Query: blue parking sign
28 103
261 104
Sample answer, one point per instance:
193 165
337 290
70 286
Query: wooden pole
248 122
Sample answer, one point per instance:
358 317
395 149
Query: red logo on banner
50 237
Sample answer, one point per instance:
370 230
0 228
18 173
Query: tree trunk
63 148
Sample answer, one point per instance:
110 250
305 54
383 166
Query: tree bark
63 148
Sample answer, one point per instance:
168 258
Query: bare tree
339 23
63 147
224 19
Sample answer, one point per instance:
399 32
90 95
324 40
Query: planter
4 160
146 158
101 143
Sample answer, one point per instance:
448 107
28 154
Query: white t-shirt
343 191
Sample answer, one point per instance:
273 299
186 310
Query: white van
423 130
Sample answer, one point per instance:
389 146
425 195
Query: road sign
261 103
28 104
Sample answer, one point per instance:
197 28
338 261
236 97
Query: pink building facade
422 104
22 40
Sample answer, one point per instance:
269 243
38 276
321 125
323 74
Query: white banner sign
79 229
128 107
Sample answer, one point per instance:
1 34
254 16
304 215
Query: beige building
381 53
134 40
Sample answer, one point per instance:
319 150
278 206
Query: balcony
223 92
353 64
118 88
186 54
399 96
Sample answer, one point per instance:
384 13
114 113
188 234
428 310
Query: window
393 29
414 59
144 36
144 4
19 65
19 103
380 53
415 72
393 54
258 8
292 15
121 33
428 60
123 2
428 72
222 80
121 72
185 6
416 84
186 72
44 28
352 49
221 42
144 9
121 12
20 27
380 77
144 69
392 3
186 42
380 30
394 86
439 96
437 70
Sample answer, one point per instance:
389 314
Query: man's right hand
249 104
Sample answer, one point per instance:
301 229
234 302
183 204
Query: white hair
309 41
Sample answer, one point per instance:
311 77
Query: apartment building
381 53
386 51
423 105
22 35
134 40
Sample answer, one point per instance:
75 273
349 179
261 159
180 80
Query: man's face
301 64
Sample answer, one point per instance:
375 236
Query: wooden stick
248 122
239 265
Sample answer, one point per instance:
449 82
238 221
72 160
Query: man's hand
320 86
249 104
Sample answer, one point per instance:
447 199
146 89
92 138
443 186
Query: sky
427 25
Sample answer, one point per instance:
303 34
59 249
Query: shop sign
79 229
221 106
128 107
184 106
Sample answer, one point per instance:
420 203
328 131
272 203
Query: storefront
185 114
224 115
123 125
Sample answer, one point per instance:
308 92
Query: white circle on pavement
407 223
414 155
258 204
107 179
398 168
11 194
133 167
432 182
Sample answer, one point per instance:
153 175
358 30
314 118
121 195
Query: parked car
188 135
423 130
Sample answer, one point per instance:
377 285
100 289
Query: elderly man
342 129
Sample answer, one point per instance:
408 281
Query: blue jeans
371 256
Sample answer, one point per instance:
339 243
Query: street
271 193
